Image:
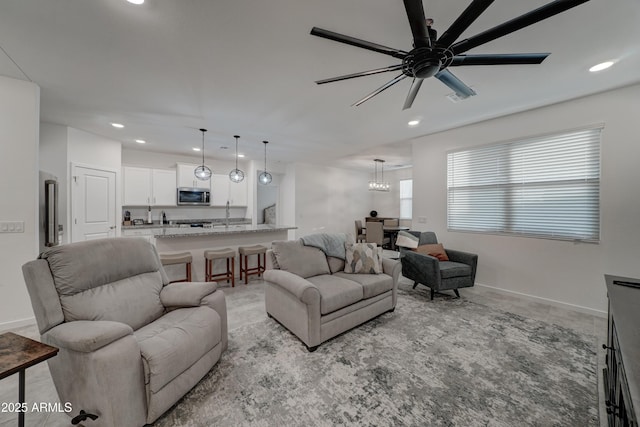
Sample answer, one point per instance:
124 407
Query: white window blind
545 187
406 198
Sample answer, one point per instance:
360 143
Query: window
406 198
546 187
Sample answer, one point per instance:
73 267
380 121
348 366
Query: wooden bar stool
244 252
178 258
211 255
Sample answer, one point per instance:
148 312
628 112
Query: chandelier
379 184
236 175
203 173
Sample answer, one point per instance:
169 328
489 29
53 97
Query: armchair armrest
186 294
421 268
86 336
301 288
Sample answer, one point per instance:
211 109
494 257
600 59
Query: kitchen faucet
226 221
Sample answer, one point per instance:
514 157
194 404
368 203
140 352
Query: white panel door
93 195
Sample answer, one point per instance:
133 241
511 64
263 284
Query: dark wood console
622 366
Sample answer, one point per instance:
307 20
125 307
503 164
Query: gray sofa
131 344
309 293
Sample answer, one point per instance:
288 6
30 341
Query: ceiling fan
432 56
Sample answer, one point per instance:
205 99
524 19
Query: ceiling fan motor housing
422 63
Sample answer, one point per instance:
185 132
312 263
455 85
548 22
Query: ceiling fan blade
499 59
539 14
396 53
380 89
467 17
413 91
417 21
458 86
361 74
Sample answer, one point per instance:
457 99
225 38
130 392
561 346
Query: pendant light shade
379 184
265 177
236 175
202 172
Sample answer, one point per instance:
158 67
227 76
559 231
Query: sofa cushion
449 269
363 258
301 260
177 340
336 292
372 284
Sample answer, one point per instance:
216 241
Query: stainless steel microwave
189 196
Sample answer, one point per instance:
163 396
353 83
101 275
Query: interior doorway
267 202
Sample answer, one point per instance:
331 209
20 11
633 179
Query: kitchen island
198 239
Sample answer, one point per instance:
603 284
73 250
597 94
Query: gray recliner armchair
131 344
458 272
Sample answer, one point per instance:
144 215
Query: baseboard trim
14 324
553 302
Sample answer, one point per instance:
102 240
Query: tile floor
245 305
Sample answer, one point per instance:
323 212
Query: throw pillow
407 240
435 250
301 260
363 258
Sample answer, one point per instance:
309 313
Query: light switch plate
11 226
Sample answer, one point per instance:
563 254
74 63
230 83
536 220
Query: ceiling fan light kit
202 172
236 175
432 56
379 184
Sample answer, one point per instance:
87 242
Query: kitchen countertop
173 231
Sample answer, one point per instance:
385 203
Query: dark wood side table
17 353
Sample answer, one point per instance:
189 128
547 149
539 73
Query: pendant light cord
203 131
236 137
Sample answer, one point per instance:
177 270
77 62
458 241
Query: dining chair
360 234
375 234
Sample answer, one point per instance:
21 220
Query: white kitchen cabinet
186 178
163 188
223 190
148 187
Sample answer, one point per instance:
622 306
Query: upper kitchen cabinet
148 187
223 190
186 178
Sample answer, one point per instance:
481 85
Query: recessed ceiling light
136 1
196 149
240 155
414 123
117 125
601 66
141 141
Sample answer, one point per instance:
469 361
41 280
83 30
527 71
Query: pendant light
379 185
265 177
203 173
236 175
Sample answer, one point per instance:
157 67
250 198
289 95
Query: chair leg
433 292
415 284
457 293
233 272
188 272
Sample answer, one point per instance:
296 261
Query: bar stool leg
233 272
188 267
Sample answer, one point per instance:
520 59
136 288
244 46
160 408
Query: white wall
19 132
329 200
564 272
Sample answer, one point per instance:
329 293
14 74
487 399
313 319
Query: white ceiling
247 67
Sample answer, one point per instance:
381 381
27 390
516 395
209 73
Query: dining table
392 232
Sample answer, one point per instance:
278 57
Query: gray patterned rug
451 362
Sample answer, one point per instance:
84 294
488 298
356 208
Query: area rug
449 362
